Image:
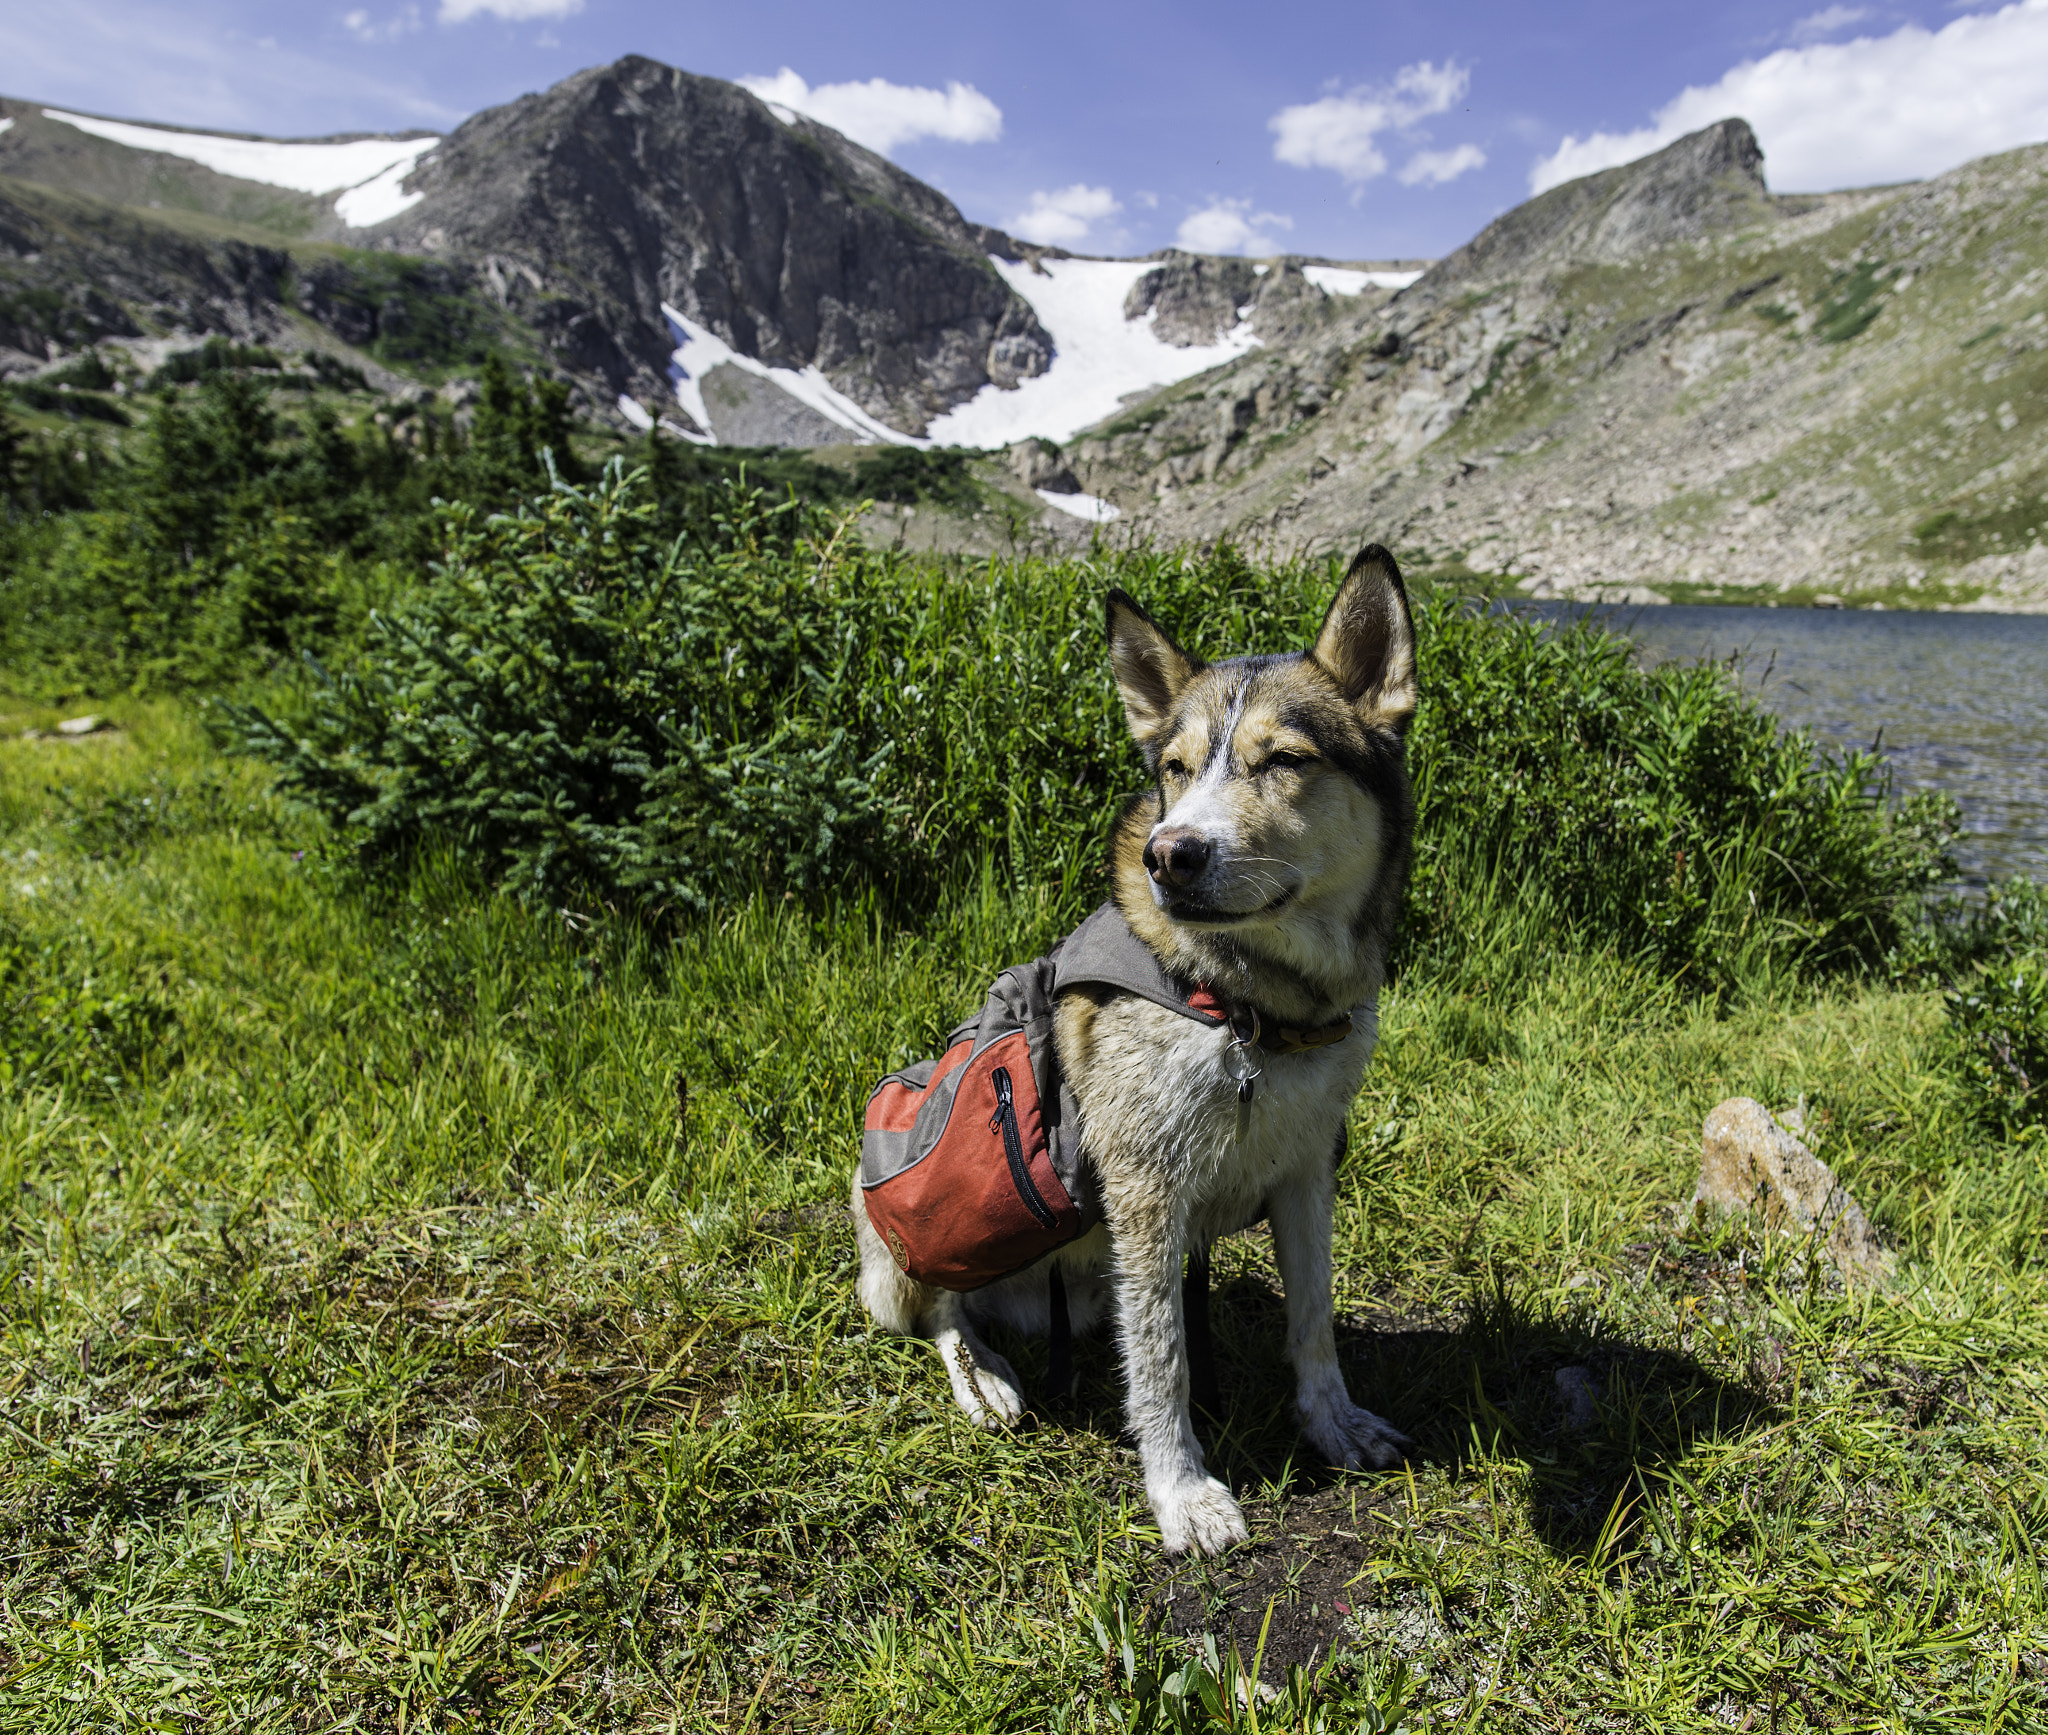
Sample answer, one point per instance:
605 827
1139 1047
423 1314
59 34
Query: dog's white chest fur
1158 1099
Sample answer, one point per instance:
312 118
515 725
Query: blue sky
1354 131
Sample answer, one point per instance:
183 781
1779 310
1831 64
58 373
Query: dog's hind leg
894 1301
984 1383
1343 1433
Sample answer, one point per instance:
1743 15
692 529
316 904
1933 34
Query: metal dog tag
1243 1062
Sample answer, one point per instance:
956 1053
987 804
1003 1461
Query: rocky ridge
1659 383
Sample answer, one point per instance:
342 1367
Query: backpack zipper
1013 1148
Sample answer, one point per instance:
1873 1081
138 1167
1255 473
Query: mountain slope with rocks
692 254
1658 383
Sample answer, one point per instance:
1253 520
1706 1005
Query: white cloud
364 28
511 11
1342 132
882 115
1856 114
1231 226
1827 21
1433 168
1065 216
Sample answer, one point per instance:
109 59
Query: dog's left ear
1367 644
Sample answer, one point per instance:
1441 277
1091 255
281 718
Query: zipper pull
1005 1103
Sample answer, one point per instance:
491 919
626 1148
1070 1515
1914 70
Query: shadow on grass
1582 1421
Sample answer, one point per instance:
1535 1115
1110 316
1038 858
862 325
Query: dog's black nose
1176 857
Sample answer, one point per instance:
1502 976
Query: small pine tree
13 457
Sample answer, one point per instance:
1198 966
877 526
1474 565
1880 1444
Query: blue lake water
1956 701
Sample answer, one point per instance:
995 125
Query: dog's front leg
1193 1508
1302 1211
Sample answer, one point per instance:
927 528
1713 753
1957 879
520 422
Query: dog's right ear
1150 668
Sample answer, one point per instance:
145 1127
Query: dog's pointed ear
1367 644
1150 668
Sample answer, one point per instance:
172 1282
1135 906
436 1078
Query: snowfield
1342 280
1099 357
365 172
698 351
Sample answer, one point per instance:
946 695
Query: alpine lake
1955 701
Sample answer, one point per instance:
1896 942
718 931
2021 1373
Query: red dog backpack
971 1163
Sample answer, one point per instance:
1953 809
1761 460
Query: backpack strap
1059 1371
1104 952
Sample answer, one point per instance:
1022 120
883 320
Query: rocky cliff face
1194 299
1708 182
633 185
75 272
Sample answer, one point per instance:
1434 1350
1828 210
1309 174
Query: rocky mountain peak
1707 181
633 186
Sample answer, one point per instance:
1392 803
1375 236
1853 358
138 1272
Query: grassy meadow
428 1297
384 1350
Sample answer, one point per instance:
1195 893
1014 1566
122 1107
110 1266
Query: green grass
382 1347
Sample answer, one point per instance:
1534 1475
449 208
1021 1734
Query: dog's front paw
1354 1439
985 1386
1199 1515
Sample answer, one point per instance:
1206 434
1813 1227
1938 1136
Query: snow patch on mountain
1099 357
1084 506
1343 280
699 351
365 172
378 199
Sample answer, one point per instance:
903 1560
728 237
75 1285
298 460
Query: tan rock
1750 1163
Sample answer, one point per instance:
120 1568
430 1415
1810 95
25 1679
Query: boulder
1750 1163
1041 464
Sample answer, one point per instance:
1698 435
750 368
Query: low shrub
907 476
1662 807
215 355
592 714
589 717
1999 1024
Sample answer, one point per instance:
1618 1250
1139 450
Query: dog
1267 861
